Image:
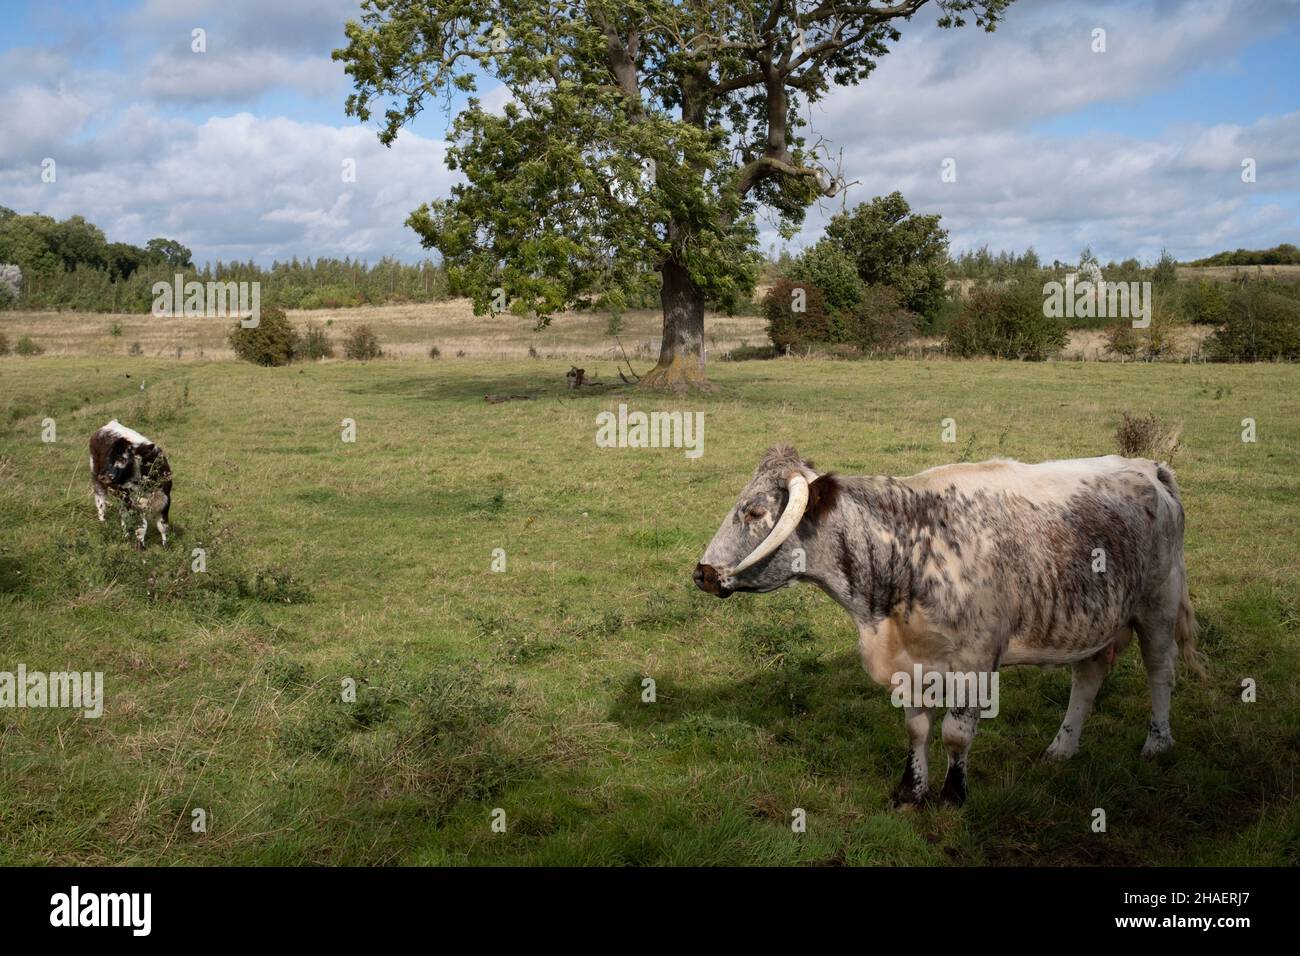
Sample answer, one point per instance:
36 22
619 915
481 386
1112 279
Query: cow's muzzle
707 579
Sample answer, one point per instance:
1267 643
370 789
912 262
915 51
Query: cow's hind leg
162 525
1086 680
959 726
1155 630
916 772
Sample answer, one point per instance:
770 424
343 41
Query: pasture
522 690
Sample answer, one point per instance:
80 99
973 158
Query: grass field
522 690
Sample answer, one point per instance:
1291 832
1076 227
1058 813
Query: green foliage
1165 272
1262 324
314 343
880 324
1006 322
362 343
609 162
26 347
829 268
69 265
1206 302
273 341
788 325
1284 254
892 246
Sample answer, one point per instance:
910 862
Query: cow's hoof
1058 752
1155 746
954 789
904 798
1159 740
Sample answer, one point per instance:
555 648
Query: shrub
26 346
1157 338
362 343
4 344
135 349
1006 322
314 343
273 341
1145 436
789 327
115 330
829 268
879 323
1206 302
435 352
1262 324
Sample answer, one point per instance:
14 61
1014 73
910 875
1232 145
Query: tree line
70 264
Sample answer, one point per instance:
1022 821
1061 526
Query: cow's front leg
141 531
959 726
101 502
916 772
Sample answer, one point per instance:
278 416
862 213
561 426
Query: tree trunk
681 355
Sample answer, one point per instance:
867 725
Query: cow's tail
1185 633
1186 629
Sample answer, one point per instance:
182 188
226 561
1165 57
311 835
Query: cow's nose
706 579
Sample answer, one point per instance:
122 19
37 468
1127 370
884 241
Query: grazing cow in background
130 467
962 569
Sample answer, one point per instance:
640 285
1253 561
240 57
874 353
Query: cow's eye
756 513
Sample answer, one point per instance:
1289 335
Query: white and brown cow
963 569
133 469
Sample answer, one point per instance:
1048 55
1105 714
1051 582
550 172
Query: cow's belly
899 644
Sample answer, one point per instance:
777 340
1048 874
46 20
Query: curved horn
790 518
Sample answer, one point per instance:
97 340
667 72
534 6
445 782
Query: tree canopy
640 137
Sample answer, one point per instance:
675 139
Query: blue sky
236 153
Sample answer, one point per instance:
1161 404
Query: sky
237 152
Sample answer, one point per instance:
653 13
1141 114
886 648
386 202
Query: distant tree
169 252
891 245
1165 272
638 144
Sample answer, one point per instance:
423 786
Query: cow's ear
823 492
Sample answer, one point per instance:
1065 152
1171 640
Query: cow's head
755 549
122 462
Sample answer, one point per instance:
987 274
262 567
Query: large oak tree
641 139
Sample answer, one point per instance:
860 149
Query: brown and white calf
963 569
133 469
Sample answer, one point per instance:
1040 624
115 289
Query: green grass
522 690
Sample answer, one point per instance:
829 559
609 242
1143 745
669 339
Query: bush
314 343
362 343
830 269
1206 302
1006 322
435 352
1262 324
1145 436
4 344
26 346
789 327
272 342
880 324
1157 338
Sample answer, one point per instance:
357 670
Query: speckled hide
963 569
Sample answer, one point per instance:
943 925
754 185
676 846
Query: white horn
789 520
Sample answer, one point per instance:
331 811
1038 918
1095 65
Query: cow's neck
864 552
